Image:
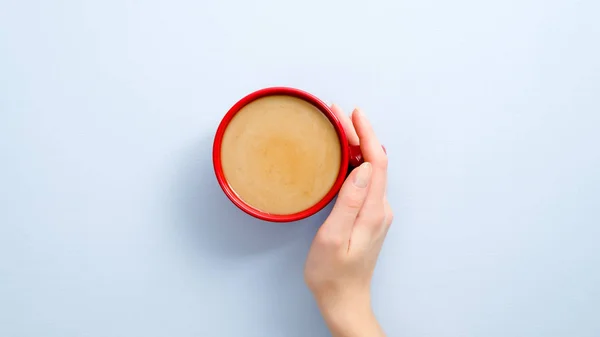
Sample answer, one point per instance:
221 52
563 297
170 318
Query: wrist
340 305
349 315
353 322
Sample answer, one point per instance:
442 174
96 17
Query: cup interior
284 91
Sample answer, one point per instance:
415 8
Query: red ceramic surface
351 156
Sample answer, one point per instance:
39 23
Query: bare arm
343 255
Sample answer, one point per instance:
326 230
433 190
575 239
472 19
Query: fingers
373 153
351 198
346 123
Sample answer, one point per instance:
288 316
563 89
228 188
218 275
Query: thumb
349 202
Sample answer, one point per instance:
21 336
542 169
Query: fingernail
358 113
362 177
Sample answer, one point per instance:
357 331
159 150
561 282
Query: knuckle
330 240
389 218
353 200
379 219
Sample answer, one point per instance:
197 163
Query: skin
342 258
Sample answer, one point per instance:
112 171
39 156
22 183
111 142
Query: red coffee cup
350 155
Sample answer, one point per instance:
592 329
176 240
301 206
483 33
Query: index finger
346 124
373 153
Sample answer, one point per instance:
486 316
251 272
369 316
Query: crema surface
280 154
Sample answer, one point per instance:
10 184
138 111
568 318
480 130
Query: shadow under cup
350 156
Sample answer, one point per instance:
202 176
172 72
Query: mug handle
356 157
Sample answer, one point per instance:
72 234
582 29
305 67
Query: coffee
280 154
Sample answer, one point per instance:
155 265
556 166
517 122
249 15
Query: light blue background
112 224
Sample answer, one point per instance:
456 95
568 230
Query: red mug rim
325 109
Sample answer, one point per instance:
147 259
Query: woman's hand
344 252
